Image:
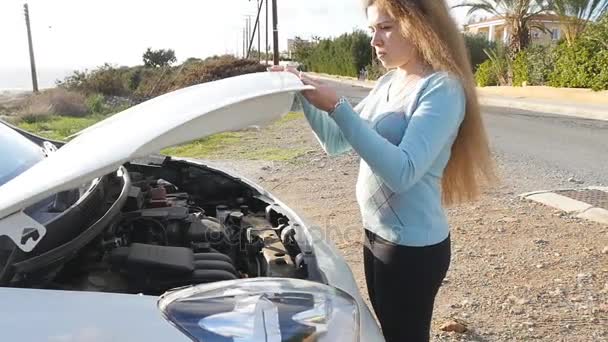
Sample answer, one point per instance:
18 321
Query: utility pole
266 33
244 40
259 31
275 32
247 37
248 31
255 27
29 39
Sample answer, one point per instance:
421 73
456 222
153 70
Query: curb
571 206
583 111
571 110
345 80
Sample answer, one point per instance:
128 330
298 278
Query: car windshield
18 154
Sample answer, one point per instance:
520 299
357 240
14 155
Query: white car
102 239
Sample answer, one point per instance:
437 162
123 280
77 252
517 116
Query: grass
206 147
289 117
238 145
60 127
227 145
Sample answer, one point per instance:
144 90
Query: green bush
141 83
584 63
485 75
106 80
345 55
521 74
134 78
374 71
476 44
600 82
571 66
501 65
95 103
541 62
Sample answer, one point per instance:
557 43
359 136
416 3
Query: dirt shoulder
520 271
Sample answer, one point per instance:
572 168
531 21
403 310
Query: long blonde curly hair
429 26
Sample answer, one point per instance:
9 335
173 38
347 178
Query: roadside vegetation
89 96
579 60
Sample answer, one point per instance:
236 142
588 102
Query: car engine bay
175 224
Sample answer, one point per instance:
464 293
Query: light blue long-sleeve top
404 144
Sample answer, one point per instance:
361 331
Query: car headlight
262 309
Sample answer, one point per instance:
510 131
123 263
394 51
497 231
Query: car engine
172 234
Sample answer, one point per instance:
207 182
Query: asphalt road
538 151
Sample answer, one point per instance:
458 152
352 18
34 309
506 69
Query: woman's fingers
309 81
275 68
304 78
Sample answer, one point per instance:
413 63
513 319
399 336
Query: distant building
495 29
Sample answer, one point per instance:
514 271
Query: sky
78 34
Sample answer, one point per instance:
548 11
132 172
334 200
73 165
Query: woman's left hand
323 96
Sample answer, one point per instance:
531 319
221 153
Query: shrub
345 55
106 80
501 65
600 81
141 83
216 68
541 62
584 64
521 73
571 66
374 71
154 82
56 101
485 75
134 78
95 103
476 44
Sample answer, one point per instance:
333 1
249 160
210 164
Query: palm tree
576 14
518 15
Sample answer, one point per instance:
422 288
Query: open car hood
173 118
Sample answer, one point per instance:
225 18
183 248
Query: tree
518 15
159 58
575 15
477 44
302 51
360 49
584 64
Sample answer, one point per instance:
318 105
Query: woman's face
392 48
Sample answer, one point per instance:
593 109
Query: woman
422 144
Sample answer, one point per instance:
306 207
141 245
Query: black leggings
402 283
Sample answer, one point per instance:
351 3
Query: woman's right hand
276 68
323 96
